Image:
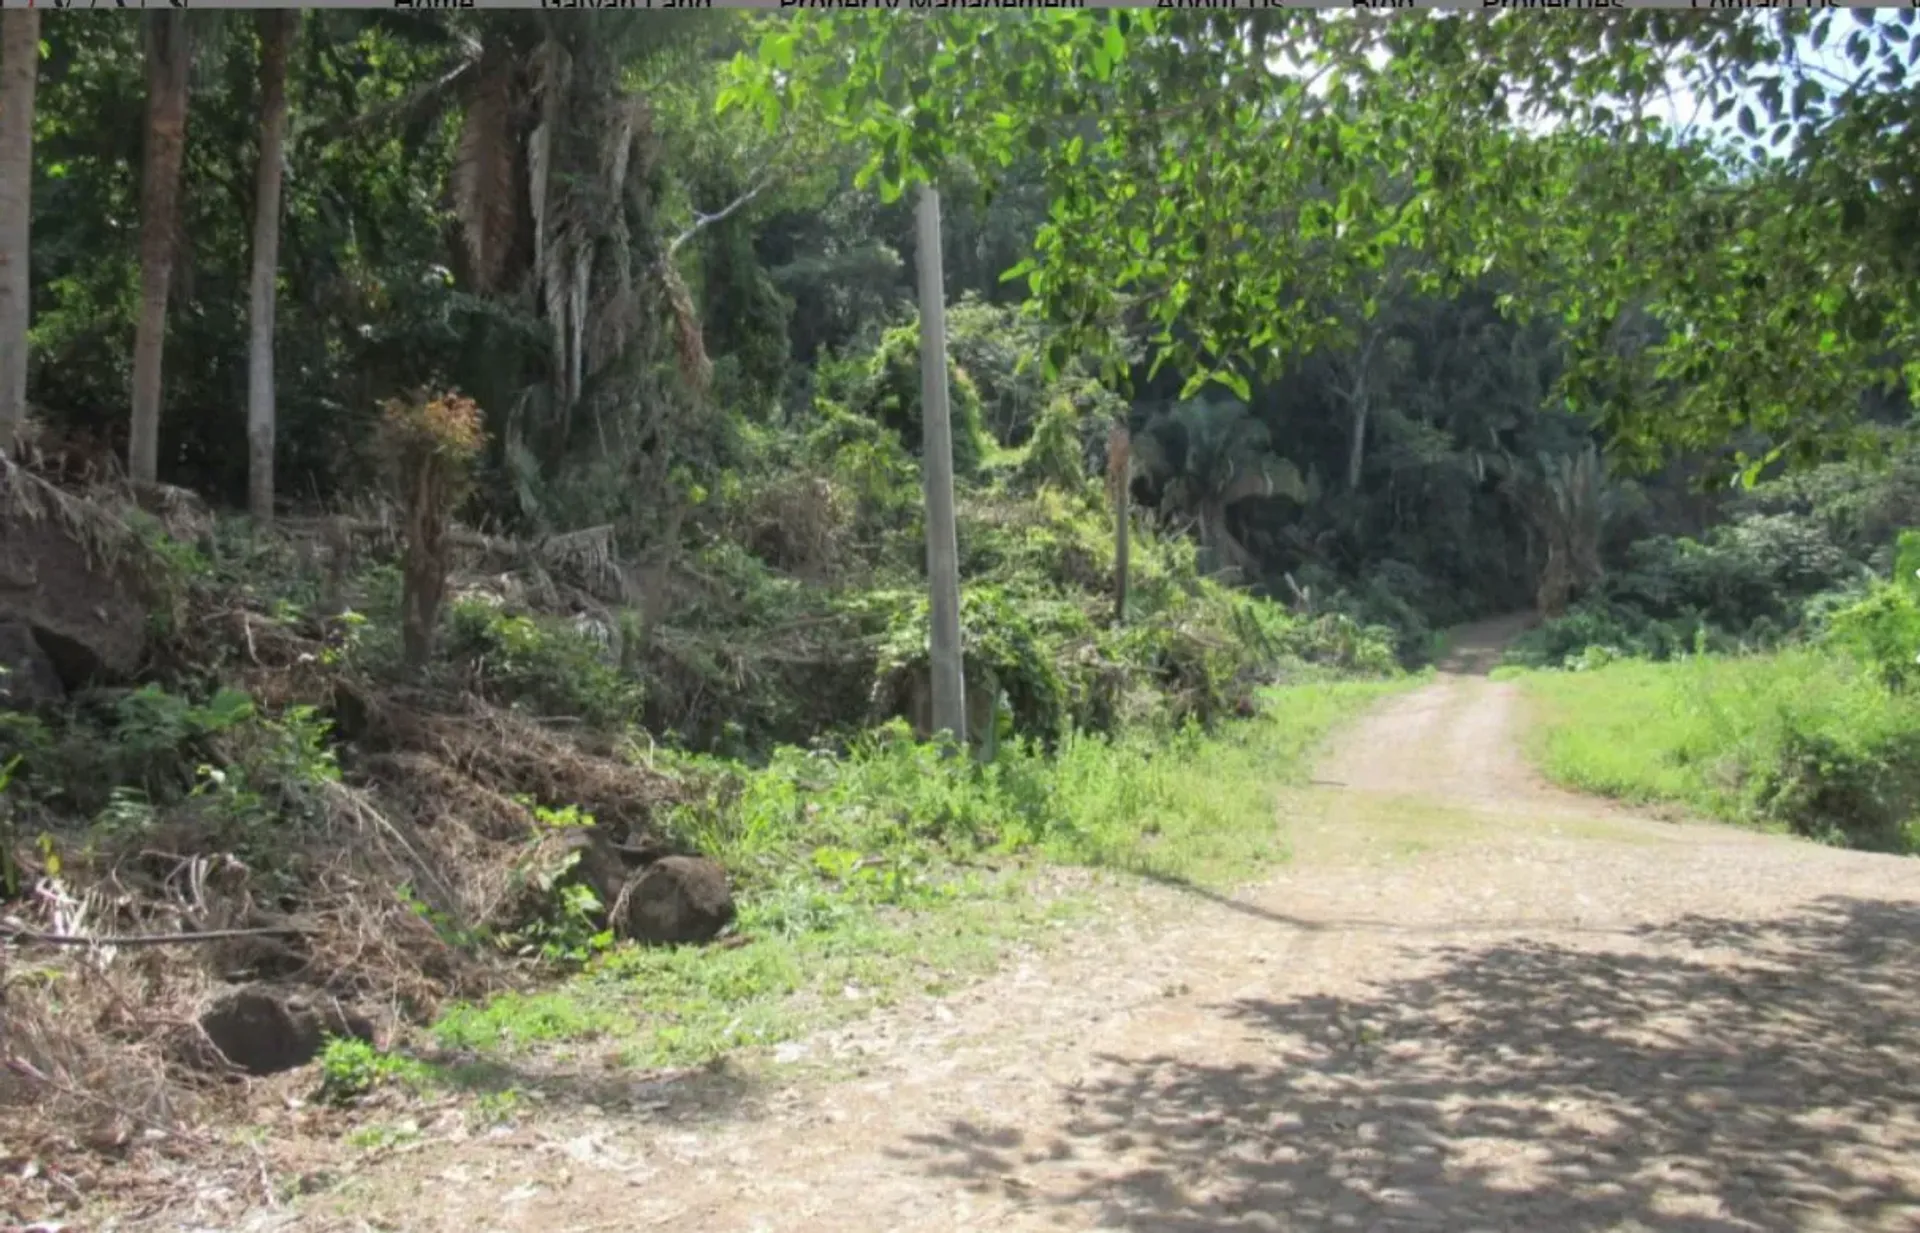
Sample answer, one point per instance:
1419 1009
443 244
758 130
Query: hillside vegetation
466 499
1764 676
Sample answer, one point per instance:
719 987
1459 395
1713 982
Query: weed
381 1136
350 1068
543 666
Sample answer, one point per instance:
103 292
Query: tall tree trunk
1357 447
19 70
936 462
1359 403
1215 534
1120 475
169 55
277 28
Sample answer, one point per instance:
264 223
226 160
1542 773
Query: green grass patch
891 871
1798 740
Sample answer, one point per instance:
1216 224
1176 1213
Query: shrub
542 665
867 460
1841 791
1000 636
999 349
1751 583
887 392
1882 629
430 444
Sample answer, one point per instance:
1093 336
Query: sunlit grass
893 872
1718 734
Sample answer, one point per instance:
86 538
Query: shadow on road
1718 1076
1475 650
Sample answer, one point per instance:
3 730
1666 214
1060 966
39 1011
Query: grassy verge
1799 740
889 872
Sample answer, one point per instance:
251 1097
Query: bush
541 665
999 349
1750 583
1882 629
1016 640
127 760
886 390
1843 791
1797 739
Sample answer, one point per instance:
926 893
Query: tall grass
864 875
1798 740
1187 803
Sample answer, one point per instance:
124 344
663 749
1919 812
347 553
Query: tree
1297 154
1567 499
430 443
1208 456
1119 484
169 59
19 70
277 28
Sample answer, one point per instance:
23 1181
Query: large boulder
27 676
69 570
263 1031
677 899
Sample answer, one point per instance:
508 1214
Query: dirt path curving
1471 1002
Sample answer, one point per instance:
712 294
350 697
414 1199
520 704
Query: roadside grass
1798 740
893 871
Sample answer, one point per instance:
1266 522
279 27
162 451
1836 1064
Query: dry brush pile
256 833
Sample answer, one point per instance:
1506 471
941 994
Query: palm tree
277 29
555 217
1207 457
1568 499
169 58
19 71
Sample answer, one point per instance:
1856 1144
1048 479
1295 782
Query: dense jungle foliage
570 372
688 326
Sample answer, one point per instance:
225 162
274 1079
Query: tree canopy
1219 181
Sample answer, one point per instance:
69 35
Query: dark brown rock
677 899
263 1032
67 570
27 675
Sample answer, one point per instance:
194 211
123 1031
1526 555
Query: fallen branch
30 936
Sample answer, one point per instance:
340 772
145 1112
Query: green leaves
1218 203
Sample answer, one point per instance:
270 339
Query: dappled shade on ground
1531 1085
1470 1002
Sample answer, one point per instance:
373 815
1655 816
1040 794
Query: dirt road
1469 1003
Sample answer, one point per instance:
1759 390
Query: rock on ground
677 899
65 574
27 675
264 1032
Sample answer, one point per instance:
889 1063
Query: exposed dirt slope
1471 1002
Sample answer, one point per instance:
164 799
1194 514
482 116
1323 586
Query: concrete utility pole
1119 478
936 462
